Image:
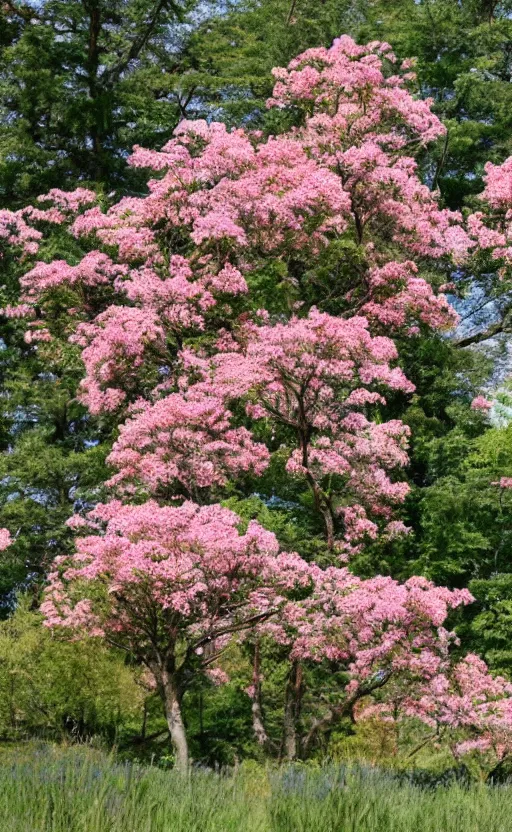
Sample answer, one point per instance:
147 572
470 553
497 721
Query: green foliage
218 720
290 520
41 483
231 56
465 528
80 83
56 689
55 459
491 624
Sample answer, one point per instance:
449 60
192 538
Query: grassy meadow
47 789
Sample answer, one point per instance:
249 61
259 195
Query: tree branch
137 45
478 337
234 628
27 13
291 11
323 724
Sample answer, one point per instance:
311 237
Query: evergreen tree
80 83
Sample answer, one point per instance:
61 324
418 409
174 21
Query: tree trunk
93 60
172 706
257 715
322 503
144 722
292 707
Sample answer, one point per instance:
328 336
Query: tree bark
322 504
257 715
292 708
138 44
173 715
291 12
478 337
325 724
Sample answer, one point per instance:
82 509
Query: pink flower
5 539
481 403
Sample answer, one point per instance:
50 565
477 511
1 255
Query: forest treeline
82 84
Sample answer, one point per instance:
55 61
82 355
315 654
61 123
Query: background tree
58 690
80 83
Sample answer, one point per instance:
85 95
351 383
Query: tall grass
80 790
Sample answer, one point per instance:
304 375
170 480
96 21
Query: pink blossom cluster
5 539
305 374
63 205
466 699
481 403
232 193
191 561
315 375
401 298
195 564
491 228
186 440
370 626
69 200
95 269
498 185
115 348
17 234
359 118
319 74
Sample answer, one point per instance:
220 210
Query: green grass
81 790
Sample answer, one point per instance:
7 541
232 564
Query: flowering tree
467 708
312 376
186 260
206 388
169 584
471 702
374 635
487 279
